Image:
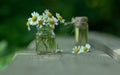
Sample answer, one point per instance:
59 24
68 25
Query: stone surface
96 62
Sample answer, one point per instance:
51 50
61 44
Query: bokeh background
104 16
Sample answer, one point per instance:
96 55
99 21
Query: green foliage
5 60
3 46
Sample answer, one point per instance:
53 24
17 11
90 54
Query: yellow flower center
50 14
41 21
52 22
60 17
85 49
76 50
34 18
27 23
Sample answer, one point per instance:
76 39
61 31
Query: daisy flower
53 21
45 17
48 13
85 48
34 19
28 25
41 22
76 50
60 18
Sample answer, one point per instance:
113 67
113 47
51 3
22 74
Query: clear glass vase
45 41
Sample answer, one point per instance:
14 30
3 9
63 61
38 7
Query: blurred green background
104 16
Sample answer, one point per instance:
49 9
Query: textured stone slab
110 44
96 62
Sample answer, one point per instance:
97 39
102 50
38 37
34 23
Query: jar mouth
45 35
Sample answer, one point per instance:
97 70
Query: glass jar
81 31
45 41
81 35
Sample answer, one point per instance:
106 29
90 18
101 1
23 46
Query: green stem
77 36
43 40
37 43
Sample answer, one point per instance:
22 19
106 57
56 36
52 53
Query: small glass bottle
81 31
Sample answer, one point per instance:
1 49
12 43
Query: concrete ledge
96 62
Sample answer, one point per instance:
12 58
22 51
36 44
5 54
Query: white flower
53 21
48 13
34 19
28 25
41 22
45 17
44 20
85 48
76 50
60 18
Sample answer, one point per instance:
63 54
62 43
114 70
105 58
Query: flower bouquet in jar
45 25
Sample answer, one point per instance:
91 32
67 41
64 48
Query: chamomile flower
28 25
76 49
60 18
48 13
85 48
53 21
34 19
41 22
45 17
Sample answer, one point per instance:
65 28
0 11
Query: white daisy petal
75 47
63 21
32 13
72 51
57 14
88 45
29 28
82 47
44 23
37 26
80 51
46 11
56 23
41 26
79 47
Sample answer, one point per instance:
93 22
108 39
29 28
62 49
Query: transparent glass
45 41
81 35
